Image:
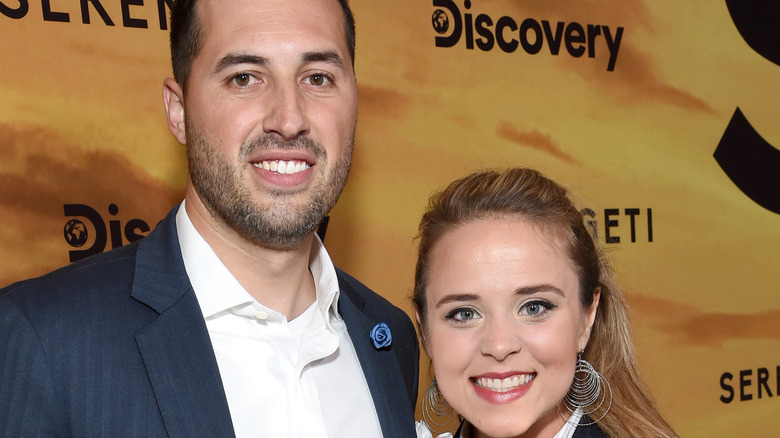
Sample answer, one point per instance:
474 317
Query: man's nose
286 115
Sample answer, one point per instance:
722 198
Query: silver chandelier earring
589 391
435 409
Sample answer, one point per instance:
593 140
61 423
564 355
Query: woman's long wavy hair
527 195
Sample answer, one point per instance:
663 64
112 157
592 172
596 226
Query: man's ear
590 318
173 99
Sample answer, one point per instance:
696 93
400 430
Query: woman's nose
501 340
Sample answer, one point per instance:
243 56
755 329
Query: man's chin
284 243
279 235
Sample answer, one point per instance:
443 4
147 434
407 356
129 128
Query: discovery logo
531 35
84 221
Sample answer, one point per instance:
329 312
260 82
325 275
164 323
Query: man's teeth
283 167
504 385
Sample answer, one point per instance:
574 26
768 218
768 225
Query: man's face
270 114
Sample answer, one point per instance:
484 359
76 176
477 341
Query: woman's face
504 325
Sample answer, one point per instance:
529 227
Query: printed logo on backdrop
88 10
749 386
621 225
86 224
525 35
752 163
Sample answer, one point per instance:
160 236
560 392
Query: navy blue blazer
116 345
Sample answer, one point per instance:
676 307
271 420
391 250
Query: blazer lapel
380 368
175 347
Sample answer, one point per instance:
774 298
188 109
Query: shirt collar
218 290
325 280
567 431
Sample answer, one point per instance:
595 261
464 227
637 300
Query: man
229 318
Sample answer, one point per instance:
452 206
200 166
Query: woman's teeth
504 385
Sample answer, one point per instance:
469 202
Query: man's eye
242 79
318 80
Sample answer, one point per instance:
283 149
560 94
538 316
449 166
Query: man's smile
283 167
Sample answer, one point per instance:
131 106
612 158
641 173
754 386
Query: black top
590 431
582 431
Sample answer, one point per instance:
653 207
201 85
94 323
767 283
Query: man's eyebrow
237 59
327 56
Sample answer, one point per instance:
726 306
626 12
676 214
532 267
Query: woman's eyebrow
456 298
528 290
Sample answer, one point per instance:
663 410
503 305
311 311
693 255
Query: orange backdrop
632 131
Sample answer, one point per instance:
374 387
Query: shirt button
261 315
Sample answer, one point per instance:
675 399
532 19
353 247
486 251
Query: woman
519 314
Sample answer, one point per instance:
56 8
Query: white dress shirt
298 378
567 431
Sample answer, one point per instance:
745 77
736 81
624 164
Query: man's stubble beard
271 223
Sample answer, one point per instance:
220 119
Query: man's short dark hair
187 38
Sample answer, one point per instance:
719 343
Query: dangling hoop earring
435 409
588 389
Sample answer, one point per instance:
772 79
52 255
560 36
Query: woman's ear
423 339
590 318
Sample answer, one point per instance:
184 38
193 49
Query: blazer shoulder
373 305
97 272
102 274
362 296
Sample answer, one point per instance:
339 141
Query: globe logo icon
440 20
75 233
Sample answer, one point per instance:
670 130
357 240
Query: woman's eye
536 308
463 314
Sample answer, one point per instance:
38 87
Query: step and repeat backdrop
661 116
